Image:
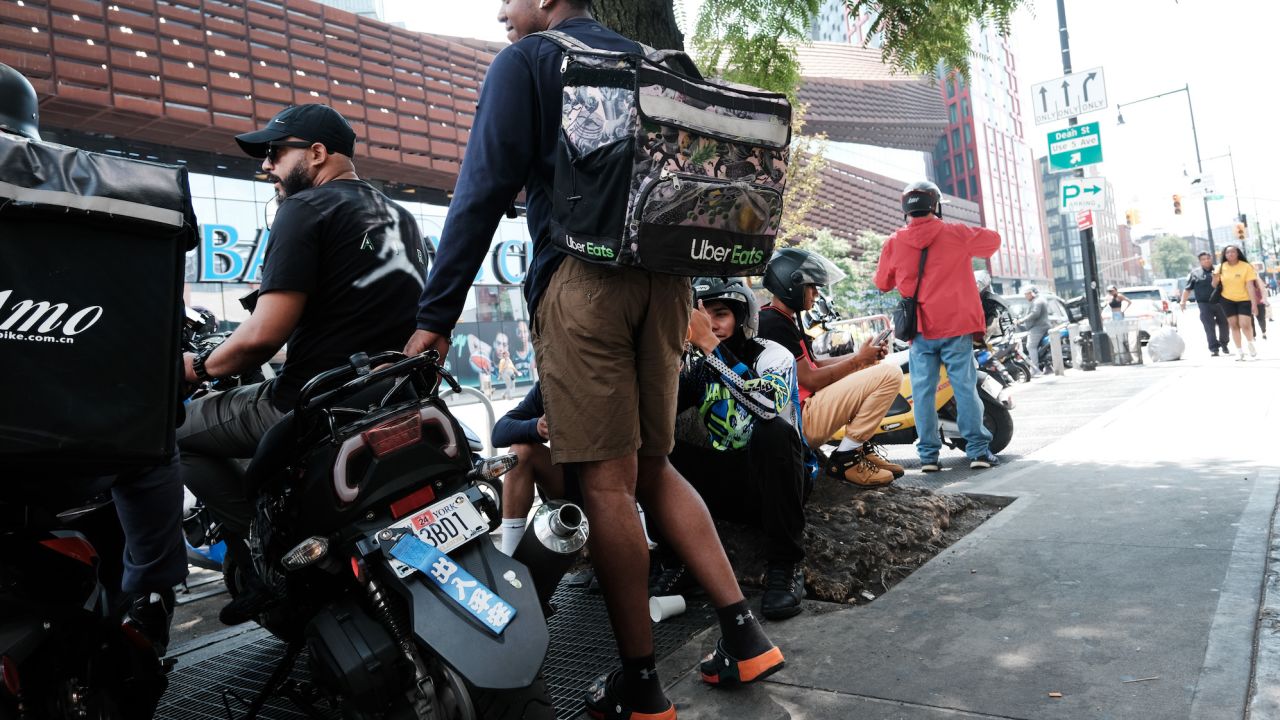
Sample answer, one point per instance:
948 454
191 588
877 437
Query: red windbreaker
949 305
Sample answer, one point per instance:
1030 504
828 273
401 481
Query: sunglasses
273 148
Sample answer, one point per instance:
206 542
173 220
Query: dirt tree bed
859 543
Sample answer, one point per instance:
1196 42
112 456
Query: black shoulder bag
904 316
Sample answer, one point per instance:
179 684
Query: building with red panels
984 157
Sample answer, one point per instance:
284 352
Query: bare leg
619 551
681 516
1246 327
1234 322
533 469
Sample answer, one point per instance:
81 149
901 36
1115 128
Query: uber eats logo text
589 248
703 249
42 320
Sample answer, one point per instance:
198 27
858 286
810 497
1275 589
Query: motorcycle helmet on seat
790 269
19 107
921 198
732 291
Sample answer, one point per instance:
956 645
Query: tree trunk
652 22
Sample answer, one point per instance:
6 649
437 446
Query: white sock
848 444
512 531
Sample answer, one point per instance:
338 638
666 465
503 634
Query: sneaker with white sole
1253 352
930 466
982 463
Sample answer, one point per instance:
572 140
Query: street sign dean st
1081 194
1074 147
1065 97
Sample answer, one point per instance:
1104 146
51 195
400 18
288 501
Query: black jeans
762 485
221 428
1212 316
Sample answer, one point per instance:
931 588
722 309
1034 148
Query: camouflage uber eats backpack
663 170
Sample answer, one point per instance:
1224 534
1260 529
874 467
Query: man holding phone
853 392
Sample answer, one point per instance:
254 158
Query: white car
1155 296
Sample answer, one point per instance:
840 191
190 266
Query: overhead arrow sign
1076 194
1081 92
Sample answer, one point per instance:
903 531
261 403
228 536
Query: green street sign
1213 197
1074 147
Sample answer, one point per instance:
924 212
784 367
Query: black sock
743 637
640 688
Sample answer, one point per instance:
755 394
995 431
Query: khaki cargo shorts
608 342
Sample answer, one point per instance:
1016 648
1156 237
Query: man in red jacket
949 312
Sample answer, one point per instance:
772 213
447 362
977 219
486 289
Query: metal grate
581 649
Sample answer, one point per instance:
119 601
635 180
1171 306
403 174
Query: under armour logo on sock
648 674
742 619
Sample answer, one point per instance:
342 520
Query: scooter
832 338
371 540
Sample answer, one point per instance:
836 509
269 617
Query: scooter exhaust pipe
549 546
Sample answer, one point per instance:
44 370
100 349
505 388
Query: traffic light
1132 217
1177 204
1241 232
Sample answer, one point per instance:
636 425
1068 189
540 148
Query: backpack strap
565 41
674 60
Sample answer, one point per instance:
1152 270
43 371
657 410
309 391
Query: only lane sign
1068 96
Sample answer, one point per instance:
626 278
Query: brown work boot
853 467
873 456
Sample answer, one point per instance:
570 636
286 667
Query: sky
1224 50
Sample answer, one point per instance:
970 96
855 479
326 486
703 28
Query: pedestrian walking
1264 305
1235 276
1118 303
1212 315
932 261
608 340
1036 323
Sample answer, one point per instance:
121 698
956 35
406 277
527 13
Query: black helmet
734 292
19 108
789 270
921 198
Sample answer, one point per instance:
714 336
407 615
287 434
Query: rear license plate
448 524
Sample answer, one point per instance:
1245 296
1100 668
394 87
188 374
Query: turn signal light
306 552
495 467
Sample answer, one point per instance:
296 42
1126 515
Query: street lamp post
1208 224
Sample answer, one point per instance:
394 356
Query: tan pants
857 401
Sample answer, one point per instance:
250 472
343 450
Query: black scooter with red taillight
63 651
372 538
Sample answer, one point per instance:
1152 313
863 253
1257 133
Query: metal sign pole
1088 252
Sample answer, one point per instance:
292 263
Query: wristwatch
197 364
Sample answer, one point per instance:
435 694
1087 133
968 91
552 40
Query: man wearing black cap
343 271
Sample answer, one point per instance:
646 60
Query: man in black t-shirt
1212 315
343 271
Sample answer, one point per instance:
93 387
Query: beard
295 182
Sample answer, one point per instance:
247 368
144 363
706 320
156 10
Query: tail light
9 670
1165 303
398 432
74 546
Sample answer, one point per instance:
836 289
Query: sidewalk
1135 551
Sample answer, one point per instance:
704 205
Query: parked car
1058 311
1156 296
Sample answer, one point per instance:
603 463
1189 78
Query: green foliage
1172 256
856 295
920 35
754 41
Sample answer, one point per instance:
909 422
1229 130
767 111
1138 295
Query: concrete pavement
1126 576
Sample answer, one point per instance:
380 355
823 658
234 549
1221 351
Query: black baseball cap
317 123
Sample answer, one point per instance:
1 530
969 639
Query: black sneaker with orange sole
720 668
602 703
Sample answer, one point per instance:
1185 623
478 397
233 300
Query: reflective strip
91 203
770 131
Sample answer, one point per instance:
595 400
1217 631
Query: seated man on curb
738 439
524 430
853 392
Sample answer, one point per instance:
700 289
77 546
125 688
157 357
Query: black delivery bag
91 267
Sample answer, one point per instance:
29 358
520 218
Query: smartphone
879 339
